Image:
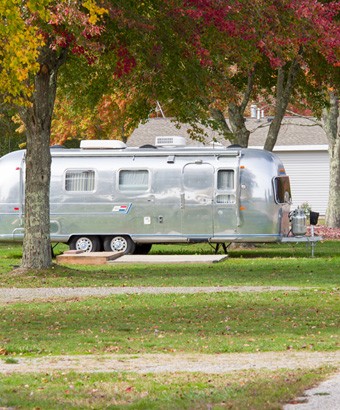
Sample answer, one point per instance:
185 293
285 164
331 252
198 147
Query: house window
282 190
225 179
79 180
134 180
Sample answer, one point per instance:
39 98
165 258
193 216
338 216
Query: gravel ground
13 295
156 363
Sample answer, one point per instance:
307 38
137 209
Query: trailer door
225 212
197 200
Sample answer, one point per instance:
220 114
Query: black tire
119 243
142 248
85 243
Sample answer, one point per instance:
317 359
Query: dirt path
155 363
13 295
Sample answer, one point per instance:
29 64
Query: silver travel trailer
106 196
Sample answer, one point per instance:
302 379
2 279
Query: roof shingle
294 131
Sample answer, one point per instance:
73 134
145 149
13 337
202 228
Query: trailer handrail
154 153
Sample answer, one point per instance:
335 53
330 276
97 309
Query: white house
301 145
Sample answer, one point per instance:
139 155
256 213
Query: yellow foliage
20 43
21 126
95 11
109 120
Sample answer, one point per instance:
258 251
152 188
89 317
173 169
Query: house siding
309 177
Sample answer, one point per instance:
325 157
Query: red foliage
325 232
126 62
71 28
279 29
323 25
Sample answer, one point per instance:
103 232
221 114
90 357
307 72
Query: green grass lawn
238 391
303 320
262 265
206 323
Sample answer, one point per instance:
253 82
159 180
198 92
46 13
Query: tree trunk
37 119
37 247
218 116
236 114
237 122
284 89
330 117
238 133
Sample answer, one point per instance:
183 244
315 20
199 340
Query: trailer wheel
142 248
119 244
85 243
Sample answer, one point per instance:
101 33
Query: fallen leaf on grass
3 351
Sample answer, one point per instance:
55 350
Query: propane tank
298 220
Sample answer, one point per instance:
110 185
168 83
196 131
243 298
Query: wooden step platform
87 258
166 259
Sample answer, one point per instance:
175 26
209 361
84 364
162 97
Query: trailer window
225 199
282 190
225 179
225 182
79 181
134 180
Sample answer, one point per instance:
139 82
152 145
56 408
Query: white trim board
283 148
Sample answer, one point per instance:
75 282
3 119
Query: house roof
294 132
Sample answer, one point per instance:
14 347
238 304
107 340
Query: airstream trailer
107 196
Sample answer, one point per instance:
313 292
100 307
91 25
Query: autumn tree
291 37
91 45
247 48
185 53
36 37
110 118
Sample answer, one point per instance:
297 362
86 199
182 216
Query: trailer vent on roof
102 144
170 141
